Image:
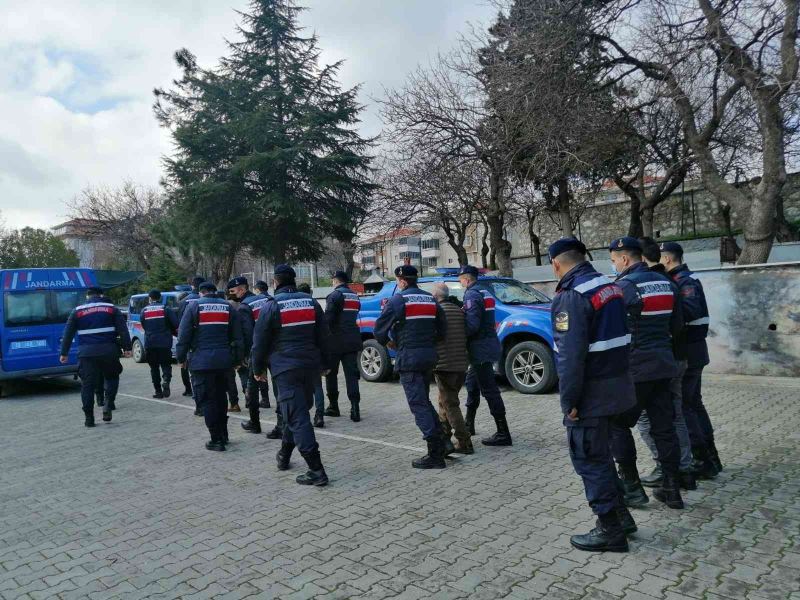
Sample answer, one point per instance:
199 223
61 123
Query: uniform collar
659 268
285 289
569 276
341 285
634 268
680 269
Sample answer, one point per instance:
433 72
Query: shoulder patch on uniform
562 321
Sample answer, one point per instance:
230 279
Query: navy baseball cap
341 276
207 286
285 270
673 247
625 243
406 271
469 270
565 244
237 281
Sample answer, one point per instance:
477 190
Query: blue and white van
34 309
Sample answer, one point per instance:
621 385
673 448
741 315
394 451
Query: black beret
341 276
207 286
237 281
625 243
285 270
673 247
469 270
565 244
406 271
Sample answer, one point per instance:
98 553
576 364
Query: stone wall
686 213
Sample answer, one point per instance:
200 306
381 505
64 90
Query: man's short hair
650 249
570 257
440 290
633 253
154 295
284 279
304 287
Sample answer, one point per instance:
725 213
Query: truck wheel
530 368
138 351
374 362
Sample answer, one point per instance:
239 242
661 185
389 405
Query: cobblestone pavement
139 509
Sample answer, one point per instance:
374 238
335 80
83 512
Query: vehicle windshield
510 291
27 308
453 286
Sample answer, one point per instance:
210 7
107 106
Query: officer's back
341 310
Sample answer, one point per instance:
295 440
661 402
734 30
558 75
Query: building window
431 243
411 255
429 262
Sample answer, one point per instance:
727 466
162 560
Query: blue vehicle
35 307
523 326
135 305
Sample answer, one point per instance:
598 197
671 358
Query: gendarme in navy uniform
591 340
291 339
210 343
695 311
238 293
413 322
160 323
186 377
484 351
101 330
341 310
653 317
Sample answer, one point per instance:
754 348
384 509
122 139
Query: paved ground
139 509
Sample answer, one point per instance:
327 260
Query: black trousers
701 432
480 380
186 379
160 362
93 368
231 386
655 398
210 387
589 450
349 364
295 399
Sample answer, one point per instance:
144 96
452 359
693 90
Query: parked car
35 306
522 316
135 305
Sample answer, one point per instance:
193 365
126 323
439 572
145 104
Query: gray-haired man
451 370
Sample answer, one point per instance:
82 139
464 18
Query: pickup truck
523 325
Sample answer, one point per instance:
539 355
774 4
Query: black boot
702 466
100 399
316 472
107 415
607 536
277 431
434 459
283 456
469 420
502 437
253 425
669 493
89 418
654 479
158 393
264 402
626 521
319 420
215 446
687 480
333 406
165 388
635 495
447 445
713 456
110 404
355 413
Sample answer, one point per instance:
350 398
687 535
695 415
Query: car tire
530 368
374 362
137 351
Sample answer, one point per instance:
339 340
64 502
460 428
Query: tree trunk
636 227
564 214
501 248
646 222
535 243
493 260
485 247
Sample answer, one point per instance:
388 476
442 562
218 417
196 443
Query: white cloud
78 79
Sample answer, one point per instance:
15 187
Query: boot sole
486 443
674 505
426 467
282 468
616 548
321 483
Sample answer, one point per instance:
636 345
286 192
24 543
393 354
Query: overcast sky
77 79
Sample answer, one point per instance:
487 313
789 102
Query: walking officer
653 318
341 310
101 329
257 301
209 344
591 340
186 377
160 323
701 432
484 350
238 292
291 337
412 322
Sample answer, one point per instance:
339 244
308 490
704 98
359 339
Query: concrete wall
755 319
691 212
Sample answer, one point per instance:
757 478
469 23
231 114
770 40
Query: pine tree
267 154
